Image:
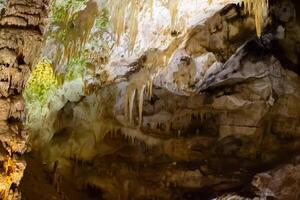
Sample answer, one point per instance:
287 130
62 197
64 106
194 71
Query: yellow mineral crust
41 81
13 171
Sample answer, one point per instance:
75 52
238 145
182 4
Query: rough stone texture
21 24
223 108
280 183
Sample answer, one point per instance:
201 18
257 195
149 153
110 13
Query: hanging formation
259 8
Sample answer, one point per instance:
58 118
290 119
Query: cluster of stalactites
258 8
139 85
125 16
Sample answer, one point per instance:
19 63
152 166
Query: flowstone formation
164 99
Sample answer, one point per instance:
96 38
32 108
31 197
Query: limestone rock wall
185 110
21 29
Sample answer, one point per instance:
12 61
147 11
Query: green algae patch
75 68
71 24
102 21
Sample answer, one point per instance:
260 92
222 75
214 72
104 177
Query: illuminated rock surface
152 99
21 27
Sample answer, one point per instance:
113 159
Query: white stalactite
141 102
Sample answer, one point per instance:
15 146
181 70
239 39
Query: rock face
190 107
185 145
280 183
21 27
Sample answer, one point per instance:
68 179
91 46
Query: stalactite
131 102
149 89
125 15
133 23
258 8
141 101
173 8
151 7
74 29
118 16
147 140
138 84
